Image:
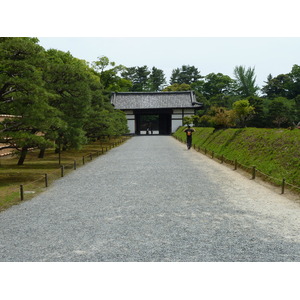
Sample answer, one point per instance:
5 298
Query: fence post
222 158
46 180
21 192
235 164
91 156
253 172
283 186
62 169
75 165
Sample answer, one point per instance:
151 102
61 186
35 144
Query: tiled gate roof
154 100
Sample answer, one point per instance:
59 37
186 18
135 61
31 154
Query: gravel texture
151 199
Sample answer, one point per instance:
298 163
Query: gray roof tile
153 100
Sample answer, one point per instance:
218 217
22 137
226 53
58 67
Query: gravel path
152 200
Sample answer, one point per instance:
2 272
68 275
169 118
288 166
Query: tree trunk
22 156
42 153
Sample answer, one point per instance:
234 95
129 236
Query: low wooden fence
28 190
282 183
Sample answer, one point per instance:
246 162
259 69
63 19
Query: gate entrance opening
153 122
149 124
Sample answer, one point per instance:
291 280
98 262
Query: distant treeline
228 102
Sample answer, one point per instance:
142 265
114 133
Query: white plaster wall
131 126
129 117
189 111
176 124
177 111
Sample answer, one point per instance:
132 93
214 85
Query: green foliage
139 76
217 117
187 120
222 118
297 108
23 94
295 76
279 112
242 112
278 86
176 87
157 80
217 84
186 74
283 85
54 96
110 78
259 118
142 79
245 81
68 78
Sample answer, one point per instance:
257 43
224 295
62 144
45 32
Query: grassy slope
275 152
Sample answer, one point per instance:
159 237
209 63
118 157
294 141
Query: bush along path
19 183
272 154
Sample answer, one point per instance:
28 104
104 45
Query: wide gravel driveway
152 200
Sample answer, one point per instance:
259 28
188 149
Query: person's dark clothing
189 132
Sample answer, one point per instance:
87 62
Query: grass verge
32 174
274 152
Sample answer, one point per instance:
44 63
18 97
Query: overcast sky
214 36
268 55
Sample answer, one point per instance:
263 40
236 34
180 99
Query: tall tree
295 76
279 112
68 78
216 84
23 94
156 79
186 74
297 108
259 118
245 80
279 86
139 76
102 117
110 77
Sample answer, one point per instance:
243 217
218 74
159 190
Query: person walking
189 131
